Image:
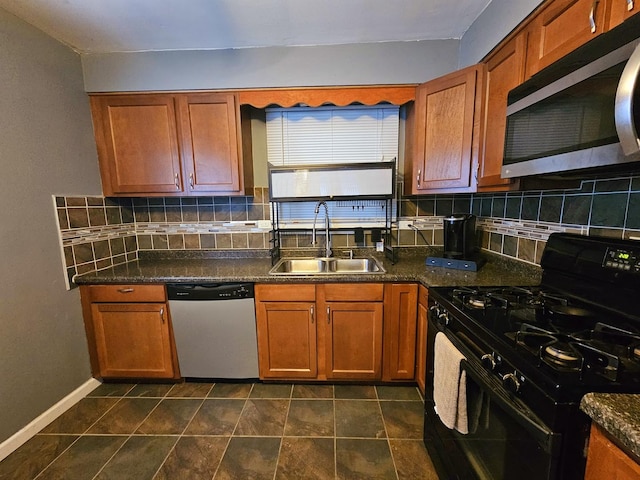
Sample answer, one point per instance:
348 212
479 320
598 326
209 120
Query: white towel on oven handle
449 385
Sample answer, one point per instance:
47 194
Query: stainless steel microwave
588 117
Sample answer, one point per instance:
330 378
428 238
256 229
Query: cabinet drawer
127 293
284 293
353 292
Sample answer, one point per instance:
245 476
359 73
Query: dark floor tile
170 417
306 458
312 391
412 460
358 418
81 416
397 393
355 391
84 459
125 416
32 457
190 389
230 390
249 458
139 458
112 390
216 417
403 419
263 417
195 458
150 390
265 390
310 418
363 459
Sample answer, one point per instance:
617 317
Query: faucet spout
327 238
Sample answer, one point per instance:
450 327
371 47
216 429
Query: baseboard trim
18 439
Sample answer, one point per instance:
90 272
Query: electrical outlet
405 224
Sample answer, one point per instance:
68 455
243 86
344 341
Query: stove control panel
623 260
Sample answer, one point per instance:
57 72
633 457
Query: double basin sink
326 266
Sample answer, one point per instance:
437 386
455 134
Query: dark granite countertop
619 415
248 266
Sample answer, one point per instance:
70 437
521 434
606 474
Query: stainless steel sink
326 266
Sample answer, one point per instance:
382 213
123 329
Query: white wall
496 21
46 147
362 64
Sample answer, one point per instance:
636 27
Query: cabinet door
400 331
622 10
447 126
137 144
607 460
505 70
209 141
287 345
133 340
561 27
421 341
353 339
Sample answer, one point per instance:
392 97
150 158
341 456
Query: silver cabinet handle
191 180
629 5
125 290
162 314
592 16
177 181
418 177
312 313
328 315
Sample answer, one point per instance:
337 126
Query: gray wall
362 64
495 23
46 147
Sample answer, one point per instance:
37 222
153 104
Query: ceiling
100 26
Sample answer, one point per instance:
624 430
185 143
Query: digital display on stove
623 255
620 259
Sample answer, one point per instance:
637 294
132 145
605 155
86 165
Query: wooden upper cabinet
137 144
172 144
561 27
622 10
447 126
505 70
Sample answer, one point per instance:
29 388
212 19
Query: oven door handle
550 441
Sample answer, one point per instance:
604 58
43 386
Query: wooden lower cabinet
421 338
129 331
320 332
400 331
605 460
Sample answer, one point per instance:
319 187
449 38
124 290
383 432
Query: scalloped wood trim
340 96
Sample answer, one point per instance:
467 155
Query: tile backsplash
97 233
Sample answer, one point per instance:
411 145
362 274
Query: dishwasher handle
209 291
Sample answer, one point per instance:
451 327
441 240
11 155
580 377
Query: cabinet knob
191 180
312 313
162 314
125 290
418 177
629 5
177 181
328 315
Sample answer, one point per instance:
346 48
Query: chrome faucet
327 238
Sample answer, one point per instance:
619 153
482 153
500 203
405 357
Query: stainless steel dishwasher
214 326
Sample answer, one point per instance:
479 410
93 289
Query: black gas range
531 353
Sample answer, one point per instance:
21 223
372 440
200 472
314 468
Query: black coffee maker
459 236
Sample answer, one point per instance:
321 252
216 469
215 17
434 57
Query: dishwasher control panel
209 291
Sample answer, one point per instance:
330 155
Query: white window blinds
326 135
323 135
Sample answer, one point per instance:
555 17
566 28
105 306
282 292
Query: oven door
509 441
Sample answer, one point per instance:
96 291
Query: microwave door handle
625 122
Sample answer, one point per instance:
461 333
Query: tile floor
231 431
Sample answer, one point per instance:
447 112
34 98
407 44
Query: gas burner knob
511 382
443 318
489 361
